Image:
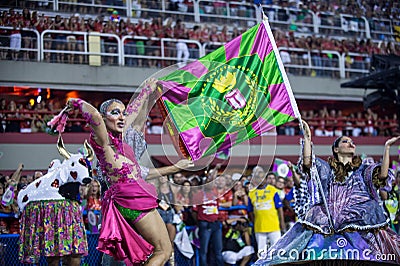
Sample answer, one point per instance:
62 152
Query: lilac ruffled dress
117 238
353 227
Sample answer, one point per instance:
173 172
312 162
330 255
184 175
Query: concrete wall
72 77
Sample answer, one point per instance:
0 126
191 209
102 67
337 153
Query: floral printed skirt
51 228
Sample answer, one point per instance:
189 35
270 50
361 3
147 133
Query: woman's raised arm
386 157
307 152
93 117
137 109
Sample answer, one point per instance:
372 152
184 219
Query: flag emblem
233 94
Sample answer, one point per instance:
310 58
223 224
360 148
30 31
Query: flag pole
282 68
295 108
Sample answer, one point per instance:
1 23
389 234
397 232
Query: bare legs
152 228
53 261
171 234
71 260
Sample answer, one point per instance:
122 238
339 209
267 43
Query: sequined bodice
121 149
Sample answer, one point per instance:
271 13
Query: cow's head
62 179
75 167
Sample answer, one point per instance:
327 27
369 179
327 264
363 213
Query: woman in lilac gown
340 214
132 230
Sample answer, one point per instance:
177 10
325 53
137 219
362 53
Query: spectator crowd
175 27
225 205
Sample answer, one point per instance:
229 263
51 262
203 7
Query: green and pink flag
238 92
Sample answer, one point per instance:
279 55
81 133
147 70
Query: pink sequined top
121 149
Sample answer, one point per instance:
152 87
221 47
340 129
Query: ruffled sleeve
309 177
384 184
308 193
302 199
373 181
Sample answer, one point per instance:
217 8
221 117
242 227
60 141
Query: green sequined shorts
132 215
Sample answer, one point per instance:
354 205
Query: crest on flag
281 168
233 94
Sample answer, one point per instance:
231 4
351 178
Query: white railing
356 62
344 25
382 29
128 51
165 51
289 18
210 46
30 36
237 14
233 14
313 62
107 47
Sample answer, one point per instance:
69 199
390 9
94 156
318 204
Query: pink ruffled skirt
117 238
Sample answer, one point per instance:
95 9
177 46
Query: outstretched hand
291 166
70 105
295 174
151 84
59 121
386 158
391 141
184 164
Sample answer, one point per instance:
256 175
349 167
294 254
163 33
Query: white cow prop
73 169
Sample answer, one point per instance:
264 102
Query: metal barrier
75 47
211 46
9 246
314 62
381 29
29 42
113 50
237 14
356 63
9 252
344 25
54 47
291 18
135 49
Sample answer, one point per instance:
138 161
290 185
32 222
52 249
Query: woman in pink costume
132 230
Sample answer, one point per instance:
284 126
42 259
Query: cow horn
90 151
61 148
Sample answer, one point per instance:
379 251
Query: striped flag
233 94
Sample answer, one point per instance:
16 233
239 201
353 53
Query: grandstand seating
117 48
